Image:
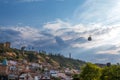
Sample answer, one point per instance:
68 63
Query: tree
111 73
55 78
90 72
32 57
76 77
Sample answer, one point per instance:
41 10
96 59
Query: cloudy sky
63 26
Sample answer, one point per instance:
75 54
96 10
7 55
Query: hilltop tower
69 55
7 44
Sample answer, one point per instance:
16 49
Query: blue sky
63 26
36 12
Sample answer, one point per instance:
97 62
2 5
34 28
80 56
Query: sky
63 26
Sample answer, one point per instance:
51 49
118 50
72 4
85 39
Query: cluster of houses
19 70
23 70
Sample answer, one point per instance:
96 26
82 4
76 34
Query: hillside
54 60
67 62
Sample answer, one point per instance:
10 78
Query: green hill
56 60
67 62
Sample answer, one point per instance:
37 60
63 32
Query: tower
7 44
69 55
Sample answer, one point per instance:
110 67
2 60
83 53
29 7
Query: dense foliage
90 72
111 73
93 72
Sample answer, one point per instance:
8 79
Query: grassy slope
55 60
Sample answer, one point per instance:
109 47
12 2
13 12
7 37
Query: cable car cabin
89 38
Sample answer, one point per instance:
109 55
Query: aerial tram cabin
89 38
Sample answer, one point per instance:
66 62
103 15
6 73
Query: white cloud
98 11
101 34
27 36
56 25
116 51
110 37
28 33
102 37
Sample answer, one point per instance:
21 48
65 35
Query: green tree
32 57
76 77
55 78
111 73
90 72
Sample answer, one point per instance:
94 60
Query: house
25 76
45 78
62 75
12 77
4 67
35 67
46 75
3 71
36 78
53 73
